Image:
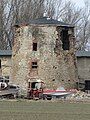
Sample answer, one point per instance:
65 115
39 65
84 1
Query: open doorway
35 90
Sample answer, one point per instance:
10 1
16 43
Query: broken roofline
44 21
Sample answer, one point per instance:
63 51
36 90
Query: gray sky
79 3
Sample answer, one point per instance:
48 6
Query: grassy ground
43 110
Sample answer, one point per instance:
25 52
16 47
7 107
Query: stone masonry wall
83 68
55 66
5 66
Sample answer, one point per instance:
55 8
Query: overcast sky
80 3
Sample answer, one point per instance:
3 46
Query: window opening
87 84
0 63
34 46
33 84
65 40
34 65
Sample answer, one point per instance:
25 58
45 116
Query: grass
43 110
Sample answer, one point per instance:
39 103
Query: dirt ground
44 110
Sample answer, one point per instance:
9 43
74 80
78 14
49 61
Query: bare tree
28 9
84 28
18 11
2 35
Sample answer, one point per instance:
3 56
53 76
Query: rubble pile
79 95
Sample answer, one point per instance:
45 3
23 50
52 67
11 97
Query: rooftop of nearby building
78 53
5 52
83 54
47 21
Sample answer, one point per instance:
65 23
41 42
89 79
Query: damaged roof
5 52
46 21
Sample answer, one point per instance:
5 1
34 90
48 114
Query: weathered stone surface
83 68
55 66
5 66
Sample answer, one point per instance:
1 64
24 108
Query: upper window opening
0 63
65 40
34 46
34 65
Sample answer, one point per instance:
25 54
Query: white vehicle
7 90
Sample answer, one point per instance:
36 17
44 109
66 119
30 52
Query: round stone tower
44 50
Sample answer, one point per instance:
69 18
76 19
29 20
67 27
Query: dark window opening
34 46
55 67
33 85
17 26
34 65
65 40
53 80
7 77
2 86
87 84
12 87
0 64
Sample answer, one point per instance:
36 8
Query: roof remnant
46 21
5 52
